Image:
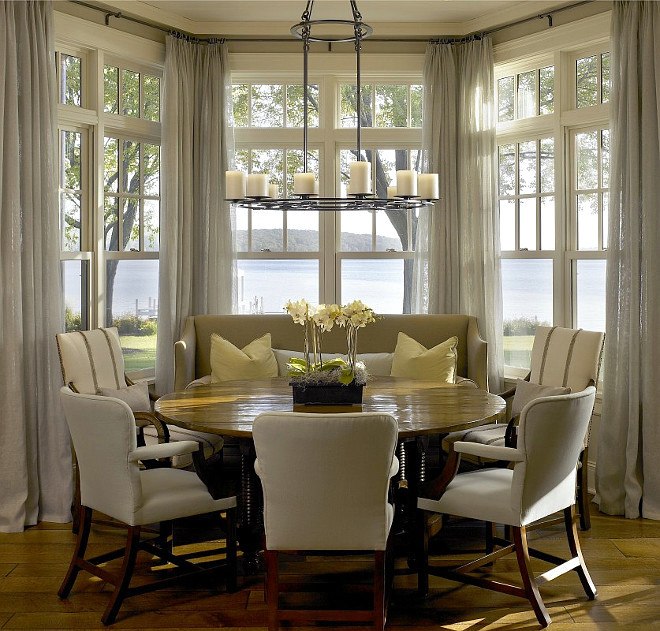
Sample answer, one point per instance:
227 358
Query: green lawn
518 342
139 351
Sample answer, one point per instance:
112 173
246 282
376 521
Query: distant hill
308 241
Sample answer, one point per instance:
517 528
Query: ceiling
390 18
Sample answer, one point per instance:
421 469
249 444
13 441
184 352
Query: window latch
265 250
390 250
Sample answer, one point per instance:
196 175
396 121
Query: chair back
566 357
103 434
325 479
551 434
91 360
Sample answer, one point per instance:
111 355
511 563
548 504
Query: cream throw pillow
527 391
137 396
254 361
413 360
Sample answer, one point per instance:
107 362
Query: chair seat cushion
173 493
212 442
484 494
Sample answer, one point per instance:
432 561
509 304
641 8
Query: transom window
526 94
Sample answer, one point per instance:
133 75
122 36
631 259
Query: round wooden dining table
422 409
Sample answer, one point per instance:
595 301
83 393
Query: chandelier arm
305 91
357 16
358 89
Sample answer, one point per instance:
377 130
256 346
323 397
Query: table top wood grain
420 407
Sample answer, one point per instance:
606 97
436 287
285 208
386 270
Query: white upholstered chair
103 432
563 360
542 482
325 480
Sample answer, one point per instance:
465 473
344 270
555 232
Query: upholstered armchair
103 433
563 360
325 480
541 482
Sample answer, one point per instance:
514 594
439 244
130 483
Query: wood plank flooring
621 554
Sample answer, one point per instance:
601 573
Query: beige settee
192 351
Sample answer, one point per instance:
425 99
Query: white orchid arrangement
316 320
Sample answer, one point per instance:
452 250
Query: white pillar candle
303 183
429 186
360 178
406 183
273 191
316 187
235 185
391 192
257 185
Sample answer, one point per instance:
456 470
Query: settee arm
184 356
477 352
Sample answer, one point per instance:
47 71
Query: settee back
193 350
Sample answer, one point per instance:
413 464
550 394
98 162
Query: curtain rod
548 15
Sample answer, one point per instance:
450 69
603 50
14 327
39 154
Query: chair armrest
489 451
394 467
163 450
142 419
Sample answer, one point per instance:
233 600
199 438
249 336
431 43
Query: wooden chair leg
490 536
232 571
84 523
75 502
379 590
422 560
531 588
576 551
124 578
583 493
272 589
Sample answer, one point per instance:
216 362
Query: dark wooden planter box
327 394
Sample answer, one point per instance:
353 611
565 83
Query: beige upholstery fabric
527 391
103 434
93 362
192 351
542 481
325 479
561 358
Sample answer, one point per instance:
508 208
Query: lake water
267 285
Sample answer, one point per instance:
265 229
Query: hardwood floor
622 556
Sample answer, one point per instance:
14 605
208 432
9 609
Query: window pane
130 93
605 157
71 221
356 231
151 225
70 80
267 230
527 303
302 231
416 101
131 224
74 286
265 286
590 295
587 211
507 224
547 90
267 105
348 112
586 81
111 225
111 89
270 162
131 167
507 169
391 105
378 284
527 97
392 231
505 89
151 97
605 84
71 166
528 223
240 95
111 165
151 169
132 306
606 204
527 167
547 160
586 155
295 105
547 223
242 217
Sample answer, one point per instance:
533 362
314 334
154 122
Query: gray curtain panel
197 267
457 266
627 473
35 467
